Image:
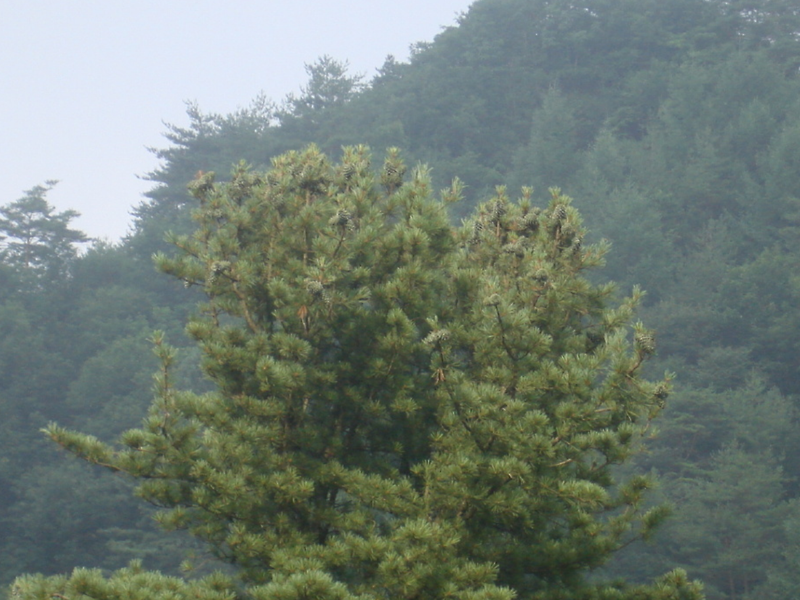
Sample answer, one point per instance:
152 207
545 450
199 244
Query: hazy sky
86 84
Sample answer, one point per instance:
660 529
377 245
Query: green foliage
34 239
132 583
673 123
329 86
402 408
732 518
551 155
73 348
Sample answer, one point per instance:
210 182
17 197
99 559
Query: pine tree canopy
403 409
34 239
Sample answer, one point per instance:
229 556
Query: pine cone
477 229
218 268
318 291
240 187
348 171
515 248
496 212
645 343
436 337
528 223
593 340
493 300
315 288
342 218
202 184
541 277
393 172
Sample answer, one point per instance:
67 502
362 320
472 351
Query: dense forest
675 127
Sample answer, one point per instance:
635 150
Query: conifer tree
34 238
329 85
402 409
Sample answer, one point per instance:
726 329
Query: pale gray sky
86 84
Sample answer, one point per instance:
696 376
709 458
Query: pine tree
329 85
402 408
34 239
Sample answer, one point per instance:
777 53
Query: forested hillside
675 127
